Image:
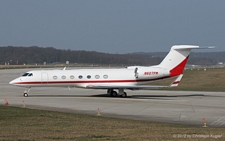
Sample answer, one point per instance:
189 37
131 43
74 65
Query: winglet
177 81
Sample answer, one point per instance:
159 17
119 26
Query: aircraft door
136 72
44 78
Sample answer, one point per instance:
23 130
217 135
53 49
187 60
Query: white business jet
132 77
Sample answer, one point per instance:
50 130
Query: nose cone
12 82
15 82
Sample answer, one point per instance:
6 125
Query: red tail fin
179 68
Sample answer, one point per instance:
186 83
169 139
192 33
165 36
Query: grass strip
21 124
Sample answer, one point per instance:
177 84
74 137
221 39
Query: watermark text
192 136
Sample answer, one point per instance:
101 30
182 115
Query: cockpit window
25 74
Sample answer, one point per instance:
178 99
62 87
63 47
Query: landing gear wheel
25 94
113 94
124 95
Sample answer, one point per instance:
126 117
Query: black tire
113 94
124 95
25 94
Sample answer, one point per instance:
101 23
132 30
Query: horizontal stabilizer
184 47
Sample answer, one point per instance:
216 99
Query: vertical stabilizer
176 59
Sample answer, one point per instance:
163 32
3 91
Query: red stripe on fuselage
87 81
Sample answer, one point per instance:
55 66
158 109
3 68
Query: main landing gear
113 93
25 94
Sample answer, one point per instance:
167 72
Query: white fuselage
87 77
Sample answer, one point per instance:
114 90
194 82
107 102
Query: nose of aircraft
14 82
11 82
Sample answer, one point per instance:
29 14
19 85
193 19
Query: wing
138 87
135 87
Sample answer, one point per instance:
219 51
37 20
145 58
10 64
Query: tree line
38 55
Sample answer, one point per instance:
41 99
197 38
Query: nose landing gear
25 94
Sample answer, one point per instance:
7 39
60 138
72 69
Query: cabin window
97 76
88 76
25 74
31 74
55 77
80 76
71 77
105 76
63 77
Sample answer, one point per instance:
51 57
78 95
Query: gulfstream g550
133 77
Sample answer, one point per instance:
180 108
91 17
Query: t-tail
177 58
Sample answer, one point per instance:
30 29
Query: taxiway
182 107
